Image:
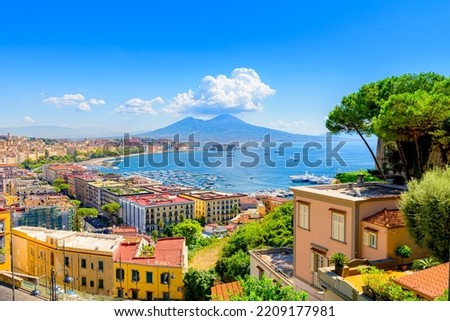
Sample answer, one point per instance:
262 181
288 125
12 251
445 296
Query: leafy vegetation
230 268
426 208
265 289
274 230
191 230
411 112
352 177
382 287
197 284
60 185
425 263
338 259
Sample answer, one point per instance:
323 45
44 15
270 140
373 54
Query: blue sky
141 65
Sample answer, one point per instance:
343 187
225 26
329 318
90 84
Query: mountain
223 129
58 132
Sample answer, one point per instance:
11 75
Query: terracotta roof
168 252
429 283
388 218
221 292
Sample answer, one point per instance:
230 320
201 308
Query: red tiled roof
429 283
388 218
278 199
248 200
168 252
221 292
9 165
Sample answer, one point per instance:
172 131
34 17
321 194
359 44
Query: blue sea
250 169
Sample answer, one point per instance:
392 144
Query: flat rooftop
354 192
123 190
172 189
157 199
280 259
211 195
74 240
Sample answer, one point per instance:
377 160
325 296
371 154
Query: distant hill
223 128
57 132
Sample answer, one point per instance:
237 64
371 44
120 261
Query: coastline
99 161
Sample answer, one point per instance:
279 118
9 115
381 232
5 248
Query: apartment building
214 206
7 172
341 218
158 276
50 172
148 212
94 191
132 267
50 211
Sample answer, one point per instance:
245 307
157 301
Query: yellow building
5 234
159 276
86 257
214 206
131 266
10 199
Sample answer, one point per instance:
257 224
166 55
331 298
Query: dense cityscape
171 158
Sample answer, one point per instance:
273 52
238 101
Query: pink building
330 218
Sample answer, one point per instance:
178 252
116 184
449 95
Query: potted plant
404 252
338 259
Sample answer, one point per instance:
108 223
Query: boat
302 178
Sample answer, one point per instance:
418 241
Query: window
66 261
149 296
317 261
303 215
100 284
100 266
2 226
83 281
135 275
120 274
338 226
370 238
119 292
92 265
149 277
83 263
91 283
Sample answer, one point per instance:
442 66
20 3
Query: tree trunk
419 155
371 153
403 160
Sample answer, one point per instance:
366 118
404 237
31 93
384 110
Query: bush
352 177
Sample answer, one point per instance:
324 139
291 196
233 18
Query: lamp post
67 279
166 281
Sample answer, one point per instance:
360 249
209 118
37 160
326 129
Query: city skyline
141 66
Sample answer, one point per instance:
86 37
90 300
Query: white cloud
243 91
28 120
84 106
283 124
77 100
139 106
95 101
66 100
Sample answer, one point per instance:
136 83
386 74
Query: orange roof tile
388 218
429 283
221 292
